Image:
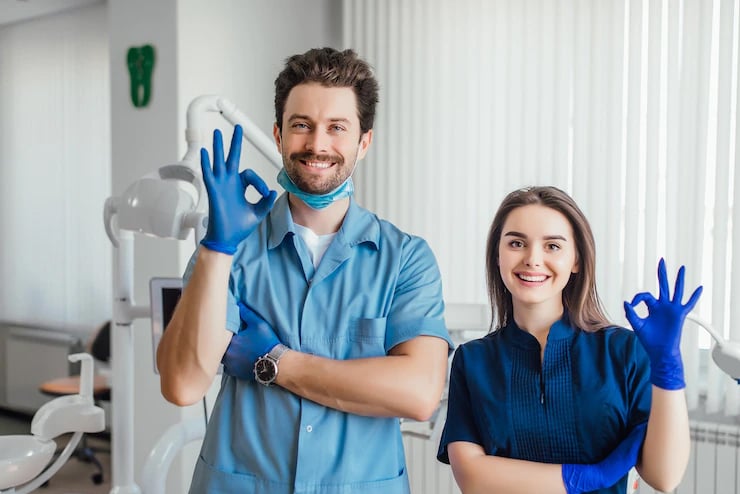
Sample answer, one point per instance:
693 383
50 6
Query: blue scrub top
375 287
575 406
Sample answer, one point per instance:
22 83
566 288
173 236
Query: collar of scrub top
560 330
358 226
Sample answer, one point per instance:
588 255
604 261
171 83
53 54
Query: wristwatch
266 367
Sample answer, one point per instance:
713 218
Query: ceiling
20 10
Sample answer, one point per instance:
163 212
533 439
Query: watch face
265 370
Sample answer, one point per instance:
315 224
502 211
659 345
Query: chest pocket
363 338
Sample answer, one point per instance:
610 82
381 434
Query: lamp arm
726 353
198 221
196 134
708 327
252 133
109 210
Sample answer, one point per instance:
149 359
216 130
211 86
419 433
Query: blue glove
660 331
231 218
249 344
607 472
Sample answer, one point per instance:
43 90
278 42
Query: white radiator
28 357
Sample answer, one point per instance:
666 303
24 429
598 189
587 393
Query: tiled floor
75 477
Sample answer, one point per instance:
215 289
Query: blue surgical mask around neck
316 201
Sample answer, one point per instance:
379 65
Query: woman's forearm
667 443
475 472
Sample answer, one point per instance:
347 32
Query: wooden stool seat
64 386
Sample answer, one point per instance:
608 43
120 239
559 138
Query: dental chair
24 459
99 348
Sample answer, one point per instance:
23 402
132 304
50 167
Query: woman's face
536 256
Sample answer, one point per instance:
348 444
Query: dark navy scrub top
590 391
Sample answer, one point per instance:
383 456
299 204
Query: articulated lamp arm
726 354
197 135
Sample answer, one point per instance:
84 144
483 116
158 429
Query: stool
64 386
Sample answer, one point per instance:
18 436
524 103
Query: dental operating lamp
160 203
167 203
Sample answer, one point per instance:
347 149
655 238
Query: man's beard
315 185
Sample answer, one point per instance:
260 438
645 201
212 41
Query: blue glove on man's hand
660 331
231 218
607 472
249 344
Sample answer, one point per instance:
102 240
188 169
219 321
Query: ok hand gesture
231 218
660 331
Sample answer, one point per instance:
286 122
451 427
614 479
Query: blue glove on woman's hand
607 472
231 218
249 344
660 331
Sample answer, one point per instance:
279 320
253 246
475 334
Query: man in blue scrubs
329 320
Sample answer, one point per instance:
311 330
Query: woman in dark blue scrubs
556 398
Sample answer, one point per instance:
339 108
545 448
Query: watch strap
277 352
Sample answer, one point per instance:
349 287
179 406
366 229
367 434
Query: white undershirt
317 244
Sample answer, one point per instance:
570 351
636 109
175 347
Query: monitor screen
170 296
164 294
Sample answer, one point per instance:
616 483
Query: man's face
320 141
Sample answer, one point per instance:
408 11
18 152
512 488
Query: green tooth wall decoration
140 62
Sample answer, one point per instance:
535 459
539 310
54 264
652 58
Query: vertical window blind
628 105
55 169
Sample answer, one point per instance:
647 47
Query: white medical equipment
24 458
167 204
726 354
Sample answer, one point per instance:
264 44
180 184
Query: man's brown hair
330 68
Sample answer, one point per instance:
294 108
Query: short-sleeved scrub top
374 288
575 405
